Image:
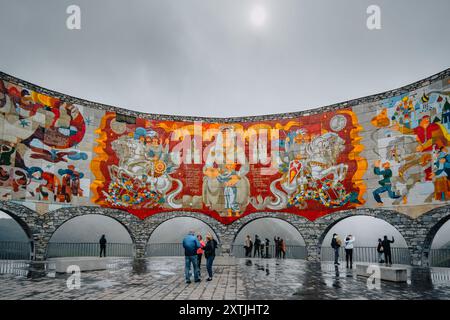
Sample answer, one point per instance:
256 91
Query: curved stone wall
385 156
387 151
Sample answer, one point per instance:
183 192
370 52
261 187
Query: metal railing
367 254
169 249
88 249
439 258
292 252
15 250
16 267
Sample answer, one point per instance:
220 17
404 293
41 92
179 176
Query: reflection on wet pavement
163 278
297 279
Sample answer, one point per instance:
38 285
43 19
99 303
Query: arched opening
440 244
267 228
79 237
366 230
16 242
166 239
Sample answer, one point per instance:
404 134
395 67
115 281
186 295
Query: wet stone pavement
163 278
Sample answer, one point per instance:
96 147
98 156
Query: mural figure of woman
228 176
222 178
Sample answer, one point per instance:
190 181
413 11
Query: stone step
388 273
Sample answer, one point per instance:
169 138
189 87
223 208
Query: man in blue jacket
190 245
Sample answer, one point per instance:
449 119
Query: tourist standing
283 248
348 245
387 250
256 245
210 254
190 245
275 244
262 249
277 247
103 246
380 251
248 246
267 248
336 244
200 252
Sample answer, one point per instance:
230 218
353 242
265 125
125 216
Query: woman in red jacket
200 251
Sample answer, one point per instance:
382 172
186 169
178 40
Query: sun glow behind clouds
258 15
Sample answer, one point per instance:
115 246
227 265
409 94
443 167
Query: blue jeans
209 264
380 190
187 267
336 255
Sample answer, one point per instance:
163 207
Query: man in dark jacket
210 254
190 245
102 246
256 246
387 249
276 247
336 244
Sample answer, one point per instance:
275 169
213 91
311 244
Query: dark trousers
256 251
102 250
199 259
191 260
336 255
388 257
209 264
380 190
267 251
349 257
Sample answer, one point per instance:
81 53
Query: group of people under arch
383 248
261 248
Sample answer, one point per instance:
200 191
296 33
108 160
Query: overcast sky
206 57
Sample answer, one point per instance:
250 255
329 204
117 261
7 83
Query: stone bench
393 273
85 263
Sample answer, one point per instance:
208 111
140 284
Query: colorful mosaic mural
392 153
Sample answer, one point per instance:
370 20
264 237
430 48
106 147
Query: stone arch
30 222
245 221
301 224
152 222
402 223
57 218
427 226
184 216
286 217
24 216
